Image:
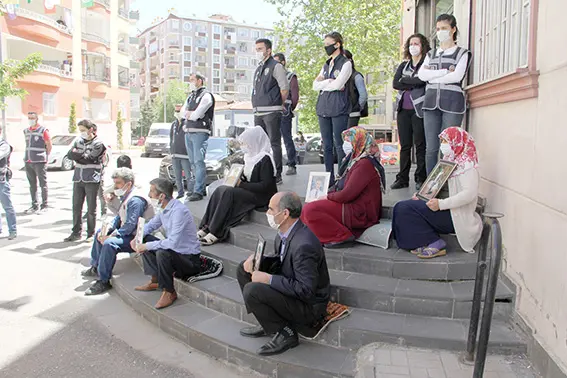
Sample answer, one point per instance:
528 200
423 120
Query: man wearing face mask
122 230
198 113
296 295
178 253
87 153
271 89
38 148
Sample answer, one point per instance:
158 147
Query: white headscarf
255 144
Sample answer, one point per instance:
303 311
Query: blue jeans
288 140
6 201
331 133
434 122
103 256
179 165
196 144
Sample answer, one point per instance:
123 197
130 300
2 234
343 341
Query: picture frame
317 185
259 253
233 177
140 231
436 180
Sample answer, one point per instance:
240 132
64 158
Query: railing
26 13
491 240
104 3
95 38
102 78
123 13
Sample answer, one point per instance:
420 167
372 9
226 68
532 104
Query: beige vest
148 213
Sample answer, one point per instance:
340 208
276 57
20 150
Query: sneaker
291 171
32 210
12 236
399 185
91 272
72 238
279 180
99 287
195 197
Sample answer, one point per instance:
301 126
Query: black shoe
291 171
179 196
99 287
72 238
399 185
343 244
418 186
91 272
32 210
254 331
283 340
279 180
195 197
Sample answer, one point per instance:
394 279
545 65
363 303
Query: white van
157 141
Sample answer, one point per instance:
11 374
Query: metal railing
123 13
101 78
491 241
26 13
95 38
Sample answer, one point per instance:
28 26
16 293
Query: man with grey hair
294 294
121 231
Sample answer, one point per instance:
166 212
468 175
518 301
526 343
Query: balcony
104 3
47 75
40 28
122 12
95 38
173 44
135 15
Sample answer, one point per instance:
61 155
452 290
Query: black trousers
272 309
165 264
271 124
82 190
35 172
411 132
353 121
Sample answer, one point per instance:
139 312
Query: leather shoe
254 331
150 286
283 340
166 299
399 185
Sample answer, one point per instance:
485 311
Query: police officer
38 148
271 89
287 116
358 95
179 157
5 198
87 153
199 111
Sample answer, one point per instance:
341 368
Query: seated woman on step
416 224
354 202
229 205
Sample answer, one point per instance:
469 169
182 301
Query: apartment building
85 60
218 47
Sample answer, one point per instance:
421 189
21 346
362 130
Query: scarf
463 149
255 144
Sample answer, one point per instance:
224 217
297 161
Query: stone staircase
394 296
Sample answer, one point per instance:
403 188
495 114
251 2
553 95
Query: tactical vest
355 109
288 102
148 214
177 146
202 124
88 173
36 151
449 98
266 96
335 103
417 95
4 163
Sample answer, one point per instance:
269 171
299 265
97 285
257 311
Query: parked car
157 142
219 158
62 144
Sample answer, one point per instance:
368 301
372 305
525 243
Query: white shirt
204 105
444 76
338 83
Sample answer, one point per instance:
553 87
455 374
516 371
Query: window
256 34
174 24
216 58
49 104
201 58
243 33
216 29
97 109
216 73
201 42
187 41
186 71
501 38
243 61
216 43
187 57
216 88
187 26
13 107
201 28
242 89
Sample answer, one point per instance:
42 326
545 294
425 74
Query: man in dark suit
296 295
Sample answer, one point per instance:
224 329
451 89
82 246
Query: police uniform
35 158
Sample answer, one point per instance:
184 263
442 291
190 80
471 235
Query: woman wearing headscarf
417 225
354 202
229 205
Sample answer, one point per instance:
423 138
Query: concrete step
217 335
428 298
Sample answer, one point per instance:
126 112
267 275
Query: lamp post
165 78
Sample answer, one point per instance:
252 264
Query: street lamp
165 78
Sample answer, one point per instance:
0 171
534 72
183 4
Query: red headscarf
463 147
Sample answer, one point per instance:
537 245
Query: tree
371 30
119 130
147 117
176 94
73 118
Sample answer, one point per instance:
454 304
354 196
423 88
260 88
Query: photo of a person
317 186
316 191
436 180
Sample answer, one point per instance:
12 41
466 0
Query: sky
250 11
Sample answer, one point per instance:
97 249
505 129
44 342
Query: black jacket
408 83
262 182
303 273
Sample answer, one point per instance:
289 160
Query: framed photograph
234 174
140 231
259 253
436 179
317 186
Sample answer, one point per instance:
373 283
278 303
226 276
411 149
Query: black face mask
330 49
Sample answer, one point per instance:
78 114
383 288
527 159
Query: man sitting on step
178 253
295 296
122 230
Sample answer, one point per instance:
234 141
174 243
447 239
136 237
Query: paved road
49 329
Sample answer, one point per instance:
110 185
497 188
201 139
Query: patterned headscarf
463 149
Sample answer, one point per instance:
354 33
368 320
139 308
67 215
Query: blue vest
335 103
92 172
36 151
266 96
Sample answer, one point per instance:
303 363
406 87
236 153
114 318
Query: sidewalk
391 361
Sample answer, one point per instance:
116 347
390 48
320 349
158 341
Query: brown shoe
166 299
150 286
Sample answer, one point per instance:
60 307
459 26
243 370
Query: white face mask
192 86
260 56
85 135
155 202
446 149
272 221
414 50
120 192
32 122
347 148
443 35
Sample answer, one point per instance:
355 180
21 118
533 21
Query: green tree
176 94
371 31
119 130
147 117
73 118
